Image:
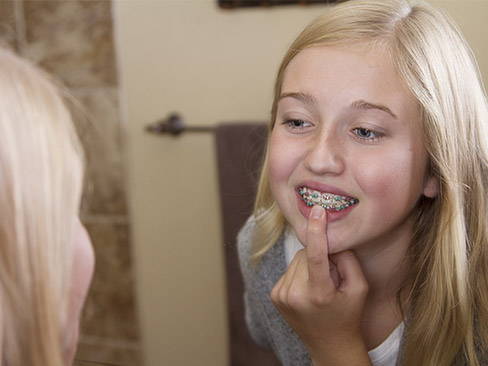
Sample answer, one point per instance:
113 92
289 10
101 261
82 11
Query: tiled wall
74 40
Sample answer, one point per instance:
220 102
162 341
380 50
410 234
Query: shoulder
273 261
244 242
244 238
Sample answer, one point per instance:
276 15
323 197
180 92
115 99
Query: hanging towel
240 152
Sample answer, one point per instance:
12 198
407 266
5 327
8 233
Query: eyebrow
358 104
363 105
302 97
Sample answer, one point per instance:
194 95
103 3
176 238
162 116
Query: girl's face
83 268
348 127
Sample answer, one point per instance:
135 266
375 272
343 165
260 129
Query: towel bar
175 126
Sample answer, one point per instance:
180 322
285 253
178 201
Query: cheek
377 188
280 161
396 179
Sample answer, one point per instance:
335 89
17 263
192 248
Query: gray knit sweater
265 323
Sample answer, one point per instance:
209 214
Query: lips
329 201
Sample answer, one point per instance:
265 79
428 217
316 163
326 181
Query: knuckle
313 226
314 230
278 297
320 300
361 289
364 289
281 298
315 259
294 297
274 295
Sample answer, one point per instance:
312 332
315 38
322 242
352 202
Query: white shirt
386 353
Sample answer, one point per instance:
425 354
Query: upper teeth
329 201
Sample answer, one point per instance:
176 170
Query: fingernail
317 212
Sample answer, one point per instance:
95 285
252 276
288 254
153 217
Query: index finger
317 249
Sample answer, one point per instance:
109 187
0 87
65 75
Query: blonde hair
448 260
41 173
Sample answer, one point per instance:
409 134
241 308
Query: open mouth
329 201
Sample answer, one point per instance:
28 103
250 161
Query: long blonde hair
41 173
448 261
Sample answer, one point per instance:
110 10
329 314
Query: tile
8 35
110 309
90 353
73 39
103 136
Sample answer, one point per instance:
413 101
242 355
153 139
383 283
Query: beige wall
210 65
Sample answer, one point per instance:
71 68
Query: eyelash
366 131
290 123
299 124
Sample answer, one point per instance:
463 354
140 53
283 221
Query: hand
322 299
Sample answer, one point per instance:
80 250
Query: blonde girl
46 258
369 242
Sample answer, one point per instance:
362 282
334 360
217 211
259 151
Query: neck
385 270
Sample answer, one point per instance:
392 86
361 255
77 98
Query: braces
328 201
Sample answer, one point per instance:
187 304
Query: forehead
329 63
348 73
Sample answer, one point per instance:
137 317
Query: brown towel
240 151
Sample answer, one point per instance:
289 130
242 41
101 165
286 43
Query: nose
326 154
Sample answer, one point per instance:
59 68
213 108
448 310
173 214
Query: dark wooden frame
231 4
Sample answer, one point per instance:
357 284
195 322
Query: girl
368 244
46 257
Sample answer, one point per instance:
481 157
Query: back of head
450 245
41 169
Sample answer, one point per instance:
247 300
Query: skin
83 268
346 124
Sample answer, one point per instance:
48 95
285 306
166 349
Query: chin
302 237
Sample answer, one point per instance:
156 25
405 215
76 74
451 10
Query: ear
431 187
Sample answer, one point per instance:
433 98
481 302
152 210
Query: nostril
325 158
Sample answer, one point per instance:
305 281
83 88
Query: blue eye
366 134
297 123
